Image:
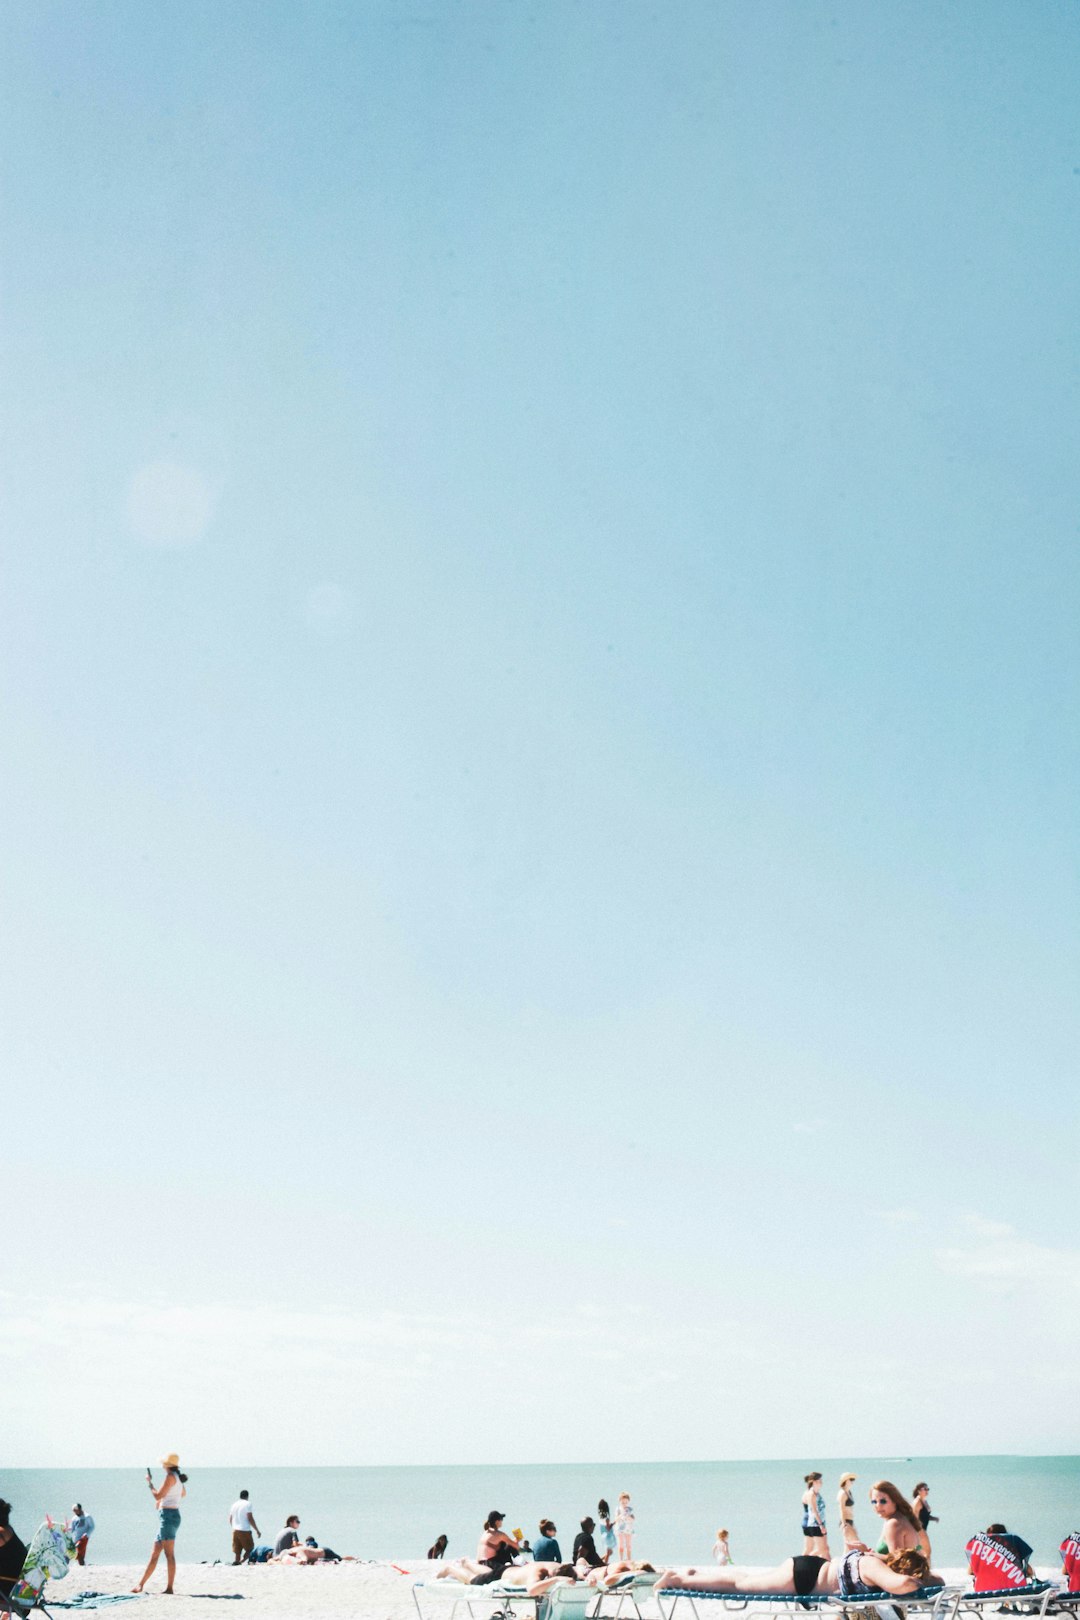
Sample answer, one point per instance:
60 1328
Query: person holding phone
168 1496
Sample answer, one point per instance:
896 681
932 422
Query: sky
539 686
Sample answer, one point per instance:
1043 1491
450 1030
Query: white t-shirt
240 1515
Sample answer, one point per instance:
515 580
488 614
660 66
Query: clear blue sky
539 696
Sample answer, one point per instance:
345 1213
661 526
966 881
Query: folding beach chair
48 1557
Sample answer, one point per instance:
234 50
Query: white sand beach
339 1590
375 1590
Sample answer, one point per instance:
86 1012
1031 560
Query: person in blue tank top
815 1535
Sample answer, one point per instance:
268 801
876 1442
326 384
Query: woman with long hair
857 1574
815 1535
901 1530
167 1498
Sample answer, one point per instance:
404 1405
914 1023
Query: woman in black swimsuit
846 1502
856 1572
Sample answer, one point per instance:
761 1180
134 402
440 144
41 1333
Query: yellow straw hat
171 1461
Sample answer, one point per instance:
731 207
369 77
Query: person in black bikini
853 1575
845 1502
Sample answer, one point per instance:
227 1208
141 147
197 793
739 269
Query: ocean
398 1512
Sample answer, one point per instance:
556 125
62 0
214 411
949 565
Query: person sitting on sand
311 1553
546 1548
495 1548
289 1537
857 1574
585 1555
438 1548
535 1578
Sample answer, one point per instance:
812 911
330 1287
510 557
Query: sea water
396 1513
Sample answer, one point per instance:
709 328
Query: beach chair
1032 1599
623 1600
925 1603
453 1600
48 1557
925 1600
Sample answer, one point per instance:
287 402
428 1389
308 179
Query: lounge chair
573 1601
1030 1599
925 1599
477 1602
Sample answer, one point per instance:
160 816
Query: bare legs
170 1565
460 1569
731 1578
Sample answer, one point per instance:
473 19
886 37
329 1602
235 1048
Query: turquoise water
398 1512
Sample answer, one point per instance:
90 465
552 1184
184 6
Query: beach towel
993 1567
1070 1558
92 1600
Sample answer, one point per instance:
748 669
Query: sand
372 1591
375 1591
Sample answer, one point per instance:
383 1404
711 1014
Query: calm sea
398 1512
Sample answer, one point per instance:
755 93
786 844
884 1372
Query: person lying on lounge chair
535 1578
609 1575
855 1575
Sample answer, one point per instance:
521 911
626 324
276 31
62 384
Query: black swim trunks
805 1571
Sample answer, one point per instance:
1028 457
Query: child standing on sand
605 1535
721 1551
624 1525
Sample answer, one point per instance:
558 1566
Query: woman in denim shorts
168 1497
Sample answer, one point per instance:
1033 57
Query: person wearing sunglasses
901 1530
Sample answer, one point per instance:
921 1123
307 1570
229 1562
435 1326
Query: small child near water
721 1551
624 1526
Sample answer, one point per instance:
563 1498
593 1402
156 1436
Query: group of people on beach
287 1549
898 1563
537 1567
815 1530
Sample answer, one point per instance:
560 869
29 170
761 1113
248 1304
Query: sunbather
309 1552
853 1575
535 1578
615 1573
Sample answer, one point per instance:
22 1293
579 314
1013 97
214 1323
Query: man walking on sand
244 1529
